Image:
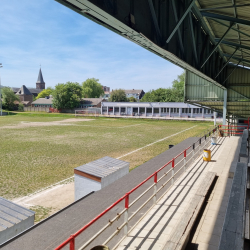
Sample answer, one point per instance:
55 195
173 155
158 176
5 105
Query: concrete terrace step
158 225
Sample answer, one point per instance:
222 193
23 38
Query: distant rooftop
23 91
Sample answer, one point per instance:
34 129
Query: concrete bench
180 236
243 148
233 229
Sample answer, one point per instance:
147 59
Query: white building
155 109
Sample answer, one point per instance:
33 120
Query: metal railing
187 158
232 130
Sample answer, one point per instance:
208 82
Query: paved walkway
154 230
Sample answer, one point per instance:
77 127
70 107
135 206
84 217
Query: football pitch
38 151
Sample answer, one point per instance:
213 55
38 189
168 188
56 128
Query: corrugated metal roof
102 167
11 213
239 34
149 104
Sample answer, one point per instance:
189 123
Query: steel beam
226 7
225 18
236 66
181 20
193 38
217 45
217 21
237 58
233 44
226 62
176 19
225 107
156 25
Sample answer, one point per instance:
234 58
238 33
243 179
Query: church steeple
40 84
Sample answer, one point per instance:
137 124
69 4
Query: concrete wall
115 176
17 228
36 109
84 186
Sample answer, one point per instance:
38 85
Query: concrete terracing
159 226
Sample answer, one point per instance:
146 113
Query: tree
158 95
91 88
118 95
9 98
44 93
178 88
67 95
132 99
174 94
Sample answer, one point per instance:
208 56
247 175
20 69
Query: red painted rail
71 239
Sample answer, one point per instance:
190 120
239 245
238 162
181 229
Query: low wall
36 109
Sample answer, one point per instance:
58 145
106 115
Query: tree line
68 95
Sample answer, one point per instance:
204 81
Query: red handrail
71 239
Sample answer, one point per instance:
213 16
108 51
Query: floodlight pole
1 111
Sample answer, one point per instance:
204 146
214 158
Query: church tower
40 84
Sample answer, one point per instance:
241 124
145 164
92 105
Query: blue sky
72 48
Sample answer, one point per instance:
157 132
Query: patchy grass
41 213
33 157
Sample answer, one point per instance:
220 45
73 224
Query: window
172 110
167 110
123 110
135 110
156 110
117 109
142 110
177 110
194 111
189 111
104 109
183 111
200 111
149 110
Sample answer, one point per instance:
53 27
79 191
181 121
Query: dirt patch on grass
65 122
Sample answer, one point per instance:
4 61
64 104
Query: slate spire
40 84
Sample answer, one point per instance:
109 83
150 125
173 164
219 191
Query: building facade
136 93
25 96
155 109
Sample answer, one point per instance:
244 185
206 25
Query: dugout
14 219
98 174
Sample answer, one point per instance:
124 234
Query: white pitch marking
154 142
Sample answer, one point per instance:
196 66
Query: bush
20 107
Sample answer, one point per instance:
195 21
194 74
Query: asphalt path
51 232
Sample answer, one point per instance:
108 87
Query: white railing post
155 187
199 146
172 180
185 160
126 214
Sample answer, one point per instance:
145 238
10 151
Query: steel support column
225 107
